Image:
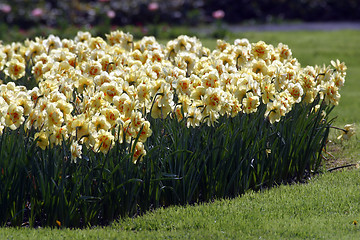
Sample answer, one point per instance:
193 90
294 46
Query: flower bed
93 129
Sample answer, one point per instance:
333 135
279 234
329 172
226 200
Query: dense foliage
26 14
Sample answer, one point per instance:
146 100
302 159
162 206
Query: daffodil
213 99
104 140
34 49
183 86
259 66
96 43
211 79
110 90
193 117
79 126
241 57
143 93
296 91
250 103
2 59
83 82
160 109
260 50
330 92
284 52
42 139
347 132
111 114
58 134
76 151
37 70
339 66
99 122
211 118
15 69
93 68
23 100
139 152
97 91
339 79
52 42
268 92
274 111
14 116
124 40
54 115
145 131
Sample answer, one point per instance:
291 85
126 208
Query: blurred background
143 15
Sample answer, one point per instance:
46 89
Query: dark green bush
63 14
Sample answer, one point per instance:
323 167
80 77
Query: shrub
27 14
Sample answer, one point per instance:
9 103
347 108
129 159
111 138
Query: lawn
324 208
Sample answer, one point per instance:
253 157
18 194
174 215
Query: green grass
325 208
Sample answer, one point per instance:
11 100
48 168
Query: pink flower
218 14
37 12
153 6
5 8
111 14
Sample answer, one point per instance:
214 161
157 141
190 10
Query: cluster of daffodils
97 92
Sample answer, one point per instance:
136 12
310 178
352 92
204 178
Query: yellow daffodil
260 50
42 139
52 42
58 134
15 69
139 152
99 122
347 132
76 150
250 103
54 115
274 111
284 51
14 116
330 93
95 91
268 92
296 91
213 99
339 66
193 117
259 66
80 126
111 114
145 131
103 141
